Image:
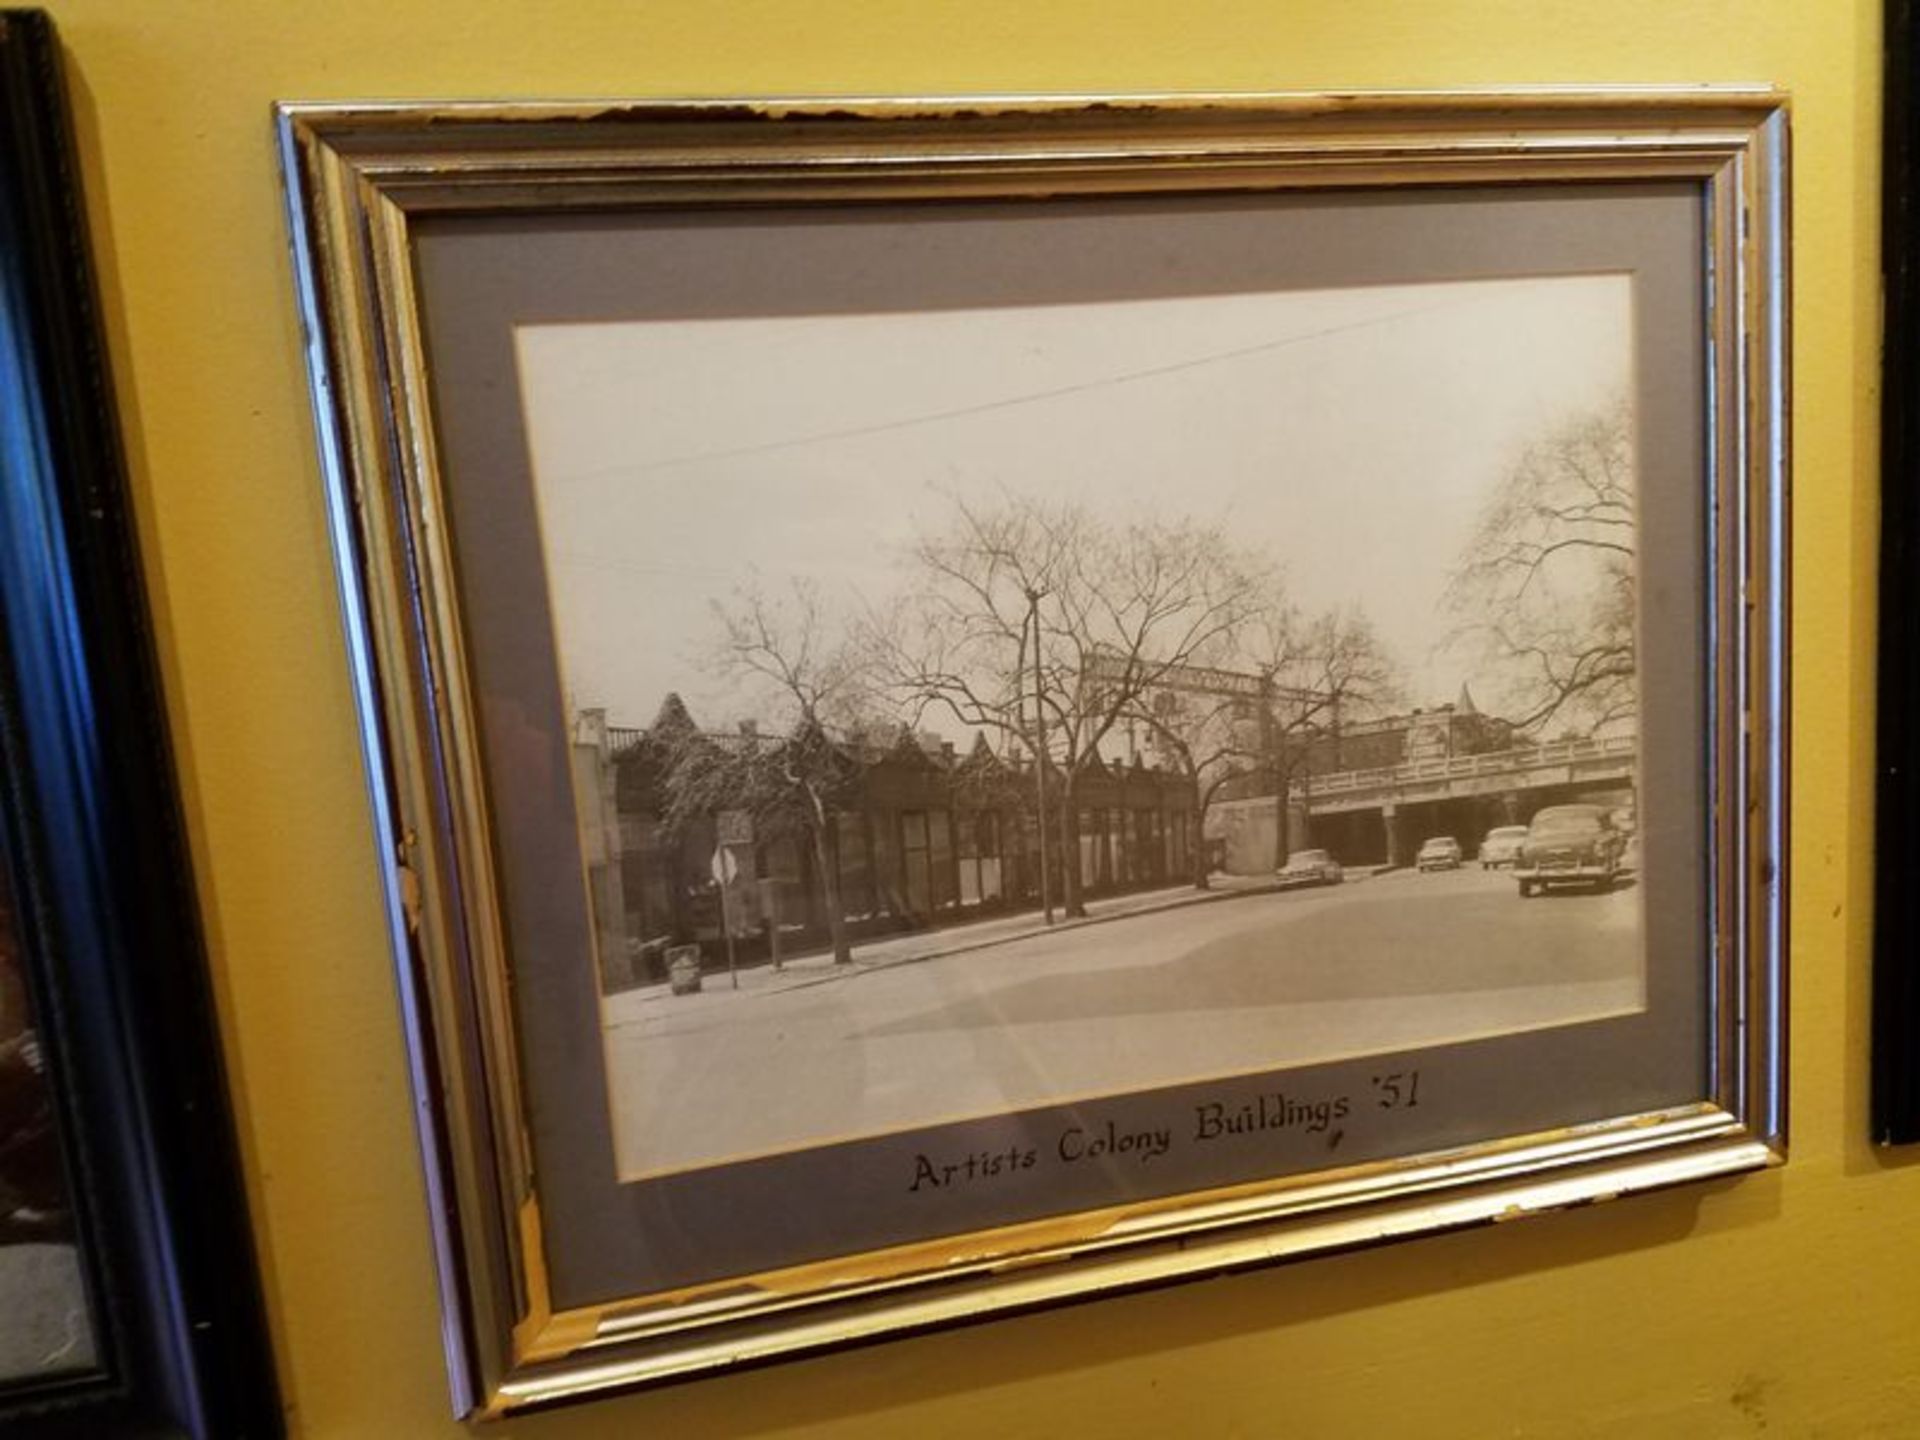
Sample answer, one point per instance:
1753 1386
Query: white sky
1353 434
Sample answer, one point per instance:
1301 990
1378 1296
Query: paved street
1237 984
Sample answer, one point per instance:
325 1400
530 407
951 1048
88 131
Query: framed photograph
977 704
129 1303
1896 927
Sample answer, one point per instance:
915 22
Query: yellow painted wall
1787 1304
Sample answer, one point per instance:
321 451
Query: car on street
1502 846
1310 867
1569 845
1442 852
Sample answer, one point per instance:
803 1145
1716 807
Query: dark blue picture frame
95 851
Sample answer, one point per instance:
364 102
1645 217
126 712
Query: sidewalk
888 951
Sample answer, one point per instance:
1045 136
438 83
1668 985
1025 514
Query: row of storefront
919 837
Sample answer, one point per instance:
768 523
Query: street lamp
1273 739
1034 596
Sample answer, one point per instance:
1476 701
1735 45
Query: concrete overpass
1380 816
1531 767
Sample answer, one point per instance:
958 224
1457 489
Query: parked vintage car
1442 852
1502 846
1569 845
1310 867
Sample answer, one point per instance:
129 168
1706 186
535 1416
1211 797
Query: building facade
918 835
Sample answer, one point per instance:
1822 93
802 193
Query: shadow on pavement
1408 950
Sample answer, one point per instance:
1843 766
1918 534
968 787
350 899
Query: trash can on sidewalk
683 969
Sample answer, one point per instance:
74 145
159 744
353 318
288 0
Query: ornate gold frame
359 176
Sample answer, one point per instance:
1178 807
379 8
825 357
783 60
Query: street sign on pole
726 869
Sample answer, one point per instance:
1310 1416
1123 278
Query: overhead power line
1035 397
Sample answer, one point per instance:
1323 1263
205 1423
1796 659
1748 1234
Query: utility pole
1306 796
1034 596
1273 739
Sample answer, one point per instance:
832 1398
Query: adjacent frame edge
85 743
1895 1101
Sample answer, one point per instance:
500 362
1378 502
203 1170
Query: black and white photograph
45 1327
994 707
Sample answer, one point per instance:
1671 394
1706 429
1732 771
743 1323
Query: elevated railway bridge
1381 816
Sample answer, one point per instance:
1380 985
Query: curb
870 967
874 967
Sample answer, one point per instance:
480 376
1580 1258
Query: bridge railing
1460 767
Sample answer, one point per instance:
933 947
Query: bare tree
791 778
1331 669
1305 677
1544 590
1037 620
1210 738
1337 671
